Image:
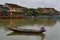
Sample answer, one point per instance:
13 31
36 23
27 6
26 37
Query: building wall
15 9
16 15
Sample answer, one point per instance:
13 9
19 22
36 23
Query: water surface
52 26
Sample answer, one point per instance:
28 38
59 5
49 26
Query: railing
14 11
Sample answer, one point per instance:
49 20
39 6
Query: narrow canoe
25 30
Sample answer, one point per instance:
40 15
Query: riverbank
8 17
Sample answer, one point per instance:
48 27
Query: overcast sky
35 3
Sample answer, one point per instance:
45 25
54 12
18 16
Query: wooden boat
25 30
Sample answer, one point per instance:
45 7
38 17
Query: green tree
30 12
4 12
39 11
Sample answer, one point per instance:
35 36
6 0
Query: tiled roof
13 5
1 5
46 9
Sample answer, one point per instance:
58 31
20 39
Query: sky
35 3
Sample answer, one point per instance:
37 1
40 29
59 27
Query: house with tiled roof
47 10
14 7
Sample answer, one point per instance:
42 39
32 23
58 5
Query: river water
52 26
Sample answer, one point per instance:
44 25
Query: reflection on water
35 22
51 24
42 35
28 21
15 33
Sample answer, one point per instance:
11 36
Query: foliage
39 12
30 12
4 12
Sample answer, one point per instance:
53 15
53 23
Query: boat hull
26 31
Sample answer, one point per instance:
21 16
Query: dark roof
49 8
46 8
13 5
1 5
10 4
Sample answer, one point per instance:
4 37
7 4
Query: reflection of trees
47 21
4 22
41 21
57 19
16 22
13 23
28 21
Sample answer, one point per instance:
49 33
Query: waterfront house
14 9
47 11
52 11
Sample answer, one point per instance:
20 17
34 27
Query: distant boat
26 30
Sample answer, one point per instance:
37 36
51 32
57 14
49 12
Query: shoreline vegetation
9 10
6 17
